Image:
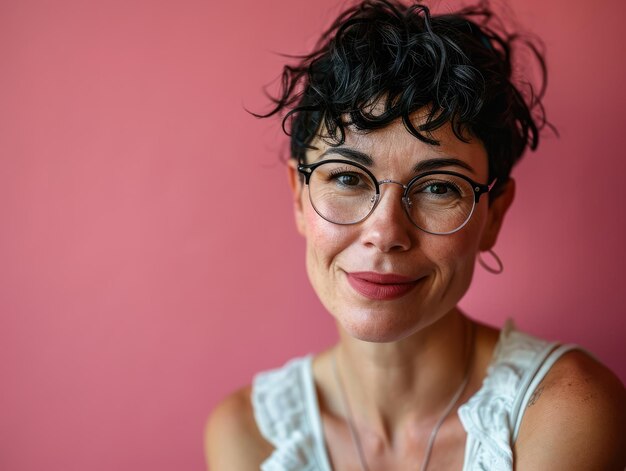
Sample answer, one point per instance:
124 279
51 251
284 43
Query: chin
377 326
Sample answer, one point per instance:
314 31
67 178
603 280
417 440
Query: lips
381 286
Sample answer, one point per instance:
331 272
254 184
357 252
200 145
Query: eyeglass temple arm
305 172
481 189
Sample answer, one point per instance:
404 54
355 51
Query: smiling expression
383 278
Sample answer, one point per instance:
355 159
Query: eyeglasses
437 202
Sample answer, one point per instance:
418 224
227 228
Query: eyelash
449 185
338 171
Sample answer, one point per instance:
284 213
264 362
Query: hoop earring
495 271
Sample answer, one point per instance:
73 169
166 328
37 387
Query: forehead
394 147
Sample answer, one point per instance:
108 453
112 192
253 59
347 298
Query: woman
404 129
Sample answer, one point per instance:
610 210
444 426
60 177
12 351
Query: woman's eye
442 189
437 188
347 179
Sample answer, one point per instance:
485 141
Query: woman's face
383 278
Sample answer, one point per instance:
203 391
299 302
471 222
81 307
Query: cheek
454 255
324 241
324 244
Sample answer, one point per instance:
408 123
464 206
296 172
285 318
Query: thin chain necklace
433 434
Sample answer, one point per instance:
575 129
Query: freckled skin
387 241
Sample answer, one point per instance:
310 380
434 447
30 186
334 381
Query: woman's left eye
437 188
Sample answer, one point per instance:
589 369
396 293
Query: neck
393 386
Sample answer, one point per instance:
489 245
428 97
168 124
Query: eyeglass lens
345 194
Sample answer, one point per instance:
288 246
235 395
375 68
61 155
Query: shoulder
576 417
232 439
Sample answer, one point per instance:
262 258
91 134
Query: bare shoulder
232 439
576 417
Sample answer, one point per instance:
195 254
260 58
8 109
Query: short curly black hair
458 66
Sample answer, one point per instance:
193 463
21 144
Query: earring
495 271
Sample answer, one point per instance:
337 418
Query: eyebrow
435 164
348 153
422 166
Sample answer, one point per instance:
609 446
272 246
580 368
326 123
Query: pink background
149 263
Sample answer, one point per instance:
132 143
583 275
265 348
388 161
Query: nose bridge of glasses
395 182
376 199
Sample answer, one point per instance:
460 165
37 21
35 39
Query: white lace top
287 414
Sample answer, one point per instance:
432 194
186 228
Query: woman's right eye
347 179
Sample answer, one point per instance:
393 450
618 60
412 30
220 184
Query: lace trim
487 416
281 414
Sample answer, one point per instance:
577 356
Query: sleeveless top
287 413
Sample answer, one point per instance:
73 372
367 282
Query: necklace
433 434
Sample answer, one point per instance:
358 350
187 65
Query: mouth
381 286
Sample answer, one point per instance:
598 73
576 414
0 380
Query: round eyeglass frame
479 189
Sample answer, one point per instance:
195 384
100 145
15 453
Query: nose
388 227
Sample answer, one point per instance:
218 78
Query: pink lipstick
380 286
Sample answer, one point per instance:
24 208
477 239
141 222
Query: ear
497 209
296 184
